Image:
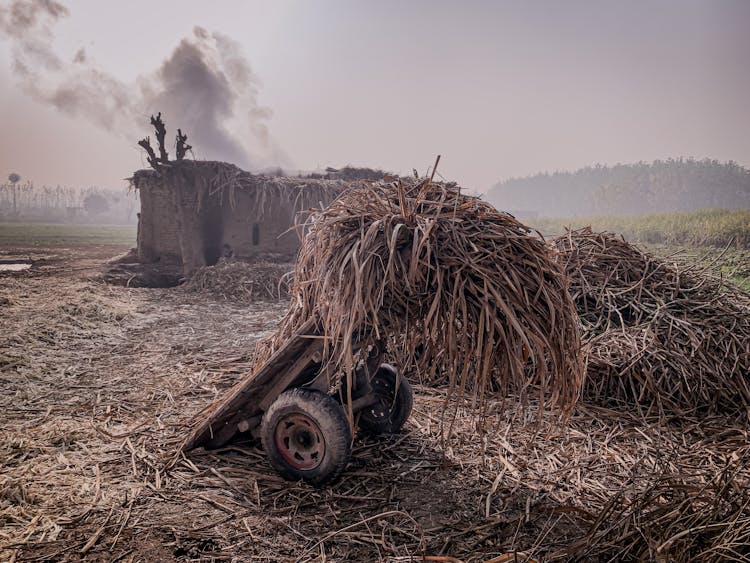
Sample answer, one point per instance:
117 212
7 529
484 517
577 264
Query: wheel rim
385 404
300 441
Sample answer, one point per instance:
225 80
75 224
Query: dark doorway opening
212 233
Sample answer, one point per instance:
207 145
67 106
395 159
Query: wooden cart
304 430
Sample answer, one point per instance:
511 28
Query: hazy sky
499 89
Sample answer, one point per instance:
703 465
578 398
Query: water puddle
14 265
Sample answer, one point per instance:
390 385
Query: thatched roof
224 180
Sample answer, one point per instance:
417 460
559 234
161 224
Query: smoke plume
205 86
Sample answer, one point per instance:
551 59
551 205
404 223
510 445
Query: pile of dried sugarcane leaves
669 343
428 268
243 282
661 336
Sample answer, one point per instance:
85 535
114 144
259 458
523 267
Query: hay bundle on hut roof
660 335
480 294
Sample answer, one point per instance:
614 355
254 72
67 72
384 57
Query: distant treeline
662 186
711 227
26 202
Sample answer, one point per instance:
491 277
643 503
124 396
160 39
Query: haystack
243 282
425 267
657 334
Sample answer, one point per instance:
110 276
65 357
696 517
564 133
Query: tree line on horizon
661 186
27 202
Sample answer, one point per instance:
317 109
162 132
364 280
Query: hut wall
158 239
257 234
188 222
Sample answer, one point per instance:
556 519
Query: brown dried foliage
424 266
663 336
674 518
243 282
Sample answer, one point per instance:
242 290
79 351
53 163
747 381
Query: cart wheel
395 400
306 436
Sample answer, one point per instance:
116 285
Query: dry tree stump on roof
160 130
181 146
161 133
153 161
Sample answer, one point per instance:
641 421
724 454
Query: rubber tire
373 420
333 425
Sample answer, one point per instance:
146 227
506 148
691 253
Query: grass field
44 234
710 227
732 263
714 238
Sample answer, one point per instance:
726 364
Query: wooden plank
263 394
217 424
313 354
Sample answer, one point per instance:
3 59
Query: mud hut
195 212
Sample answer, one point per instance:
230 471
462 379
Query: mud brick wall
158 239
193 213
251 234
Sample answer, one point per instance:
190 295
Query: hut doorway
212 234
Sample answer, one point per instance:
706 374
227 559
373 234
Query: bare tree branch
182 146
161 133
152 160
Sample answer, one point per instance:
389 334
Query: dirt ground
98 385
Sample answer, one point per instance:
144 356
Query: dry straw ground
242 282
98 383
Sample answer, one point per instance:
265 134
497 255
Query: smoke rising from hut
206 84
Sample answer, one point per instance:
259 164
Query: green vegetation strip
710 227
731 263
43 234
